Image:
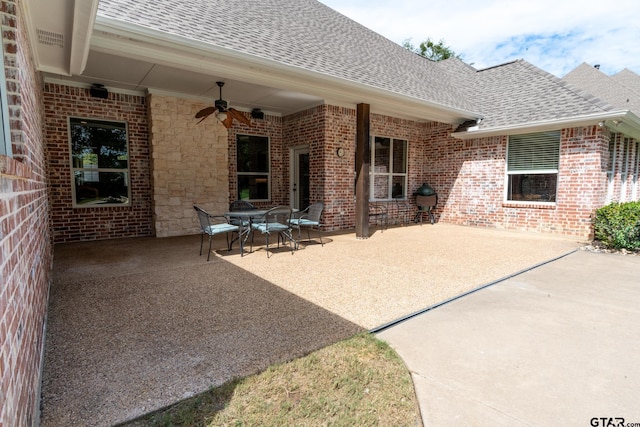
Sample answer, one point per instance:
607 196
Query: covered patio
137 324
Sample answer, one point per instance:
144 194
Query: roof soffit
60 32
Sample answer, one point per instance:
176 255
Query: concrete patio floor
137 324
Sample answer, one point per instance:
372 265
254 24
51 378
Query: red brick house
508 147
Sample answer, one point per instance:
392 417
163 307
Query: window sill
528 205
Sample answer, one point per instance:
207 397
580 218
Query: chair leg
201 241
209 253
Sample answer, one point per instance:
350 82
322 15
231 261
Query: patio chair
212 225
241 205
308 218
403 210
275 221
378 211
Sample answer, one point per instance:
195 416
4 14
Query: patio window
5 134
254 177
388 168
99 162
532 167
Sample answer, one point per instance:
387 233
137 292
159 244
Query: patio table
247 217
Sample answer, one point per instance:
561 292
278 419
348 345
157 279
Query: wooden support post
363 160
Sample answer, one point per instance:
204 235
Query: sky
555 35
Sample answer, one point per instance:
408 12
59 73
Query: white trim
73 83
621 119
84 16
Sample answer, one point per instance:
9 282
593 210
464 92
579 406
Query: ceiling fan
225 114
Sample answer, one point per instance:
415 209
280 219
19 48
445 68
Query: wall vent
49 38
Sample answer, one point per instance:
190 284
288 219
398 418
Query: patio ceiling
84 49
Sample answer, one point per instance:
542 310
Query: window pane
98 144
93 187
534 151
532 187
99 162
399 156
382 150
255 187
252 153
397 190
380 186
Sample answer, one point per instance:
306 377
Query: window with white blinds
532 167
534 152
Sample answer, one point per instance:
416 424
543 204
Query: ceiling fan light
222 116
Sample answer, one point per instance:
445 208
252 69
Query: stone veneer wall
469 177
25 240
189 165
96 223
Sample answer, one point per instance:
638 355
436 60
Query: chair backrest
203 217
315 211
241 205
278 217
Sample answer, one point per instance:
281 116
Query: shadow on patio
137 324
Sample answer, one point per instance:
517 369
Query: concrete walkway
556 345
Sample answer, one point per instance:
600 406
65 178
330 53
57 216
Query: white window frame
636 174
97 170
390 174
5 133
611 173
539 170
267 174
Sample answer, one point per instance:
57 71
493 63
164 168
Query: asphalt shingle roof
298 33
519 93
622 91
308 35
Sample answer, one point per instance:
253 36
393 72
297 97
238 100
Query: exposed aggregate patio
137 324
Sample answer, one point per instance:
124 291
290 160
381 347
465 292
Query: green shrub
617 225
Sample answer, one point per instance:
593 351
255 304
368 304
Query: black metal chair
309 218
212 225
238 206
403 210
275 221
379 213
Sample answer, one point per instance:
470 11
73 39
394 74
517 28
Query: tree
429 49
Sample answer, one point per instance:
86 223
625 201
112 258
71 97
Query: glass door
300 178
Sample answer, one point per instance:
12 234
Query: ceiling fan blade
205 112
228 121
239 116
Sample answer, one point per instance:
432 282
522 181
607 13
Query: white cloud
555 35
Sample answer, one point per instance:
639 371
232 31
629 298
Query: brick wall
469 177
96 223
25 246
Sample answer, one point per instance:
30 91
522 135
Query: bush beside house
617 225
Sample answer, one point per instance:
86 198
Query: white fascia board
116 37
623 116
84 16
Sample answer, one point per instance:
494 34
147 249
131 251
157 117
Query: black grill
426 199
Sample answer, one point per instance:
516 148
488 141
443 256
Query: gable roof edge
619 121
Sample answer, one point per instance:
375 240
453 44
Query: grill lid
425 190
